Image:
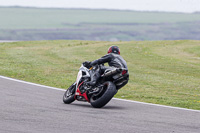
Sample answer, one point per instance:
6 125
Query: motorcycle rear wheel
68 96
100 100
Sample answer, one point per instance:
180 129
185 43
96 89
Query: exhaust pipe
112 72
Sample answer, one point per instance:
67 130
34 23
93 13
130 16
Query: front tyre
68 97
100 100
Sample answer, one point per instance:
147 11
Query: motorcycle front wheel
68 96
106 94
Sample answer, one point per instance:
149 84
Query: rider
113 58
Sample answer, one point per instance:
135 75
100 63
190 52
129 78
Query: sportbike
104 90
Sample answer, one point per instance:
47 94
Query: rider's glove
87 64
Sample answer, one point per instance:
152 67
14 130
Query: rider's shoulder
111 55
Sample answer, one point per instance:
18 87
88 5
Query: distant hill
20 23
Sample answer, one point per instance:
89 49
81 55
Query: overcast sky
187 6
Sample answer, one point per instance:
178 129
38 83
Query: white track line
165 106
21 81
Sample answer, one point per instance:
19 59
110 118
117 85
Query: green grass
161 72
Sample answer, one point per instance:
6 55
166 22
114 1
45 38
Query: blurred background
107 20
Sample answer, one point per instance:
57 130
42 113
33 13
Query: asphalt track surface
30 108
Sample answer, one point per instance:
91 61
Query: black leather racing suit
114 60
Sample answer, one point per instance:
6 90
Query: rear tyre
100 100
68 97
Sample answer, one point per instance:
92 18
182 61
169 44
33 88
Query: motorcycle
100 94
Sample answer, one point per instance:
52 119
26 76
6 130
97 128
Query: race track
30 108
